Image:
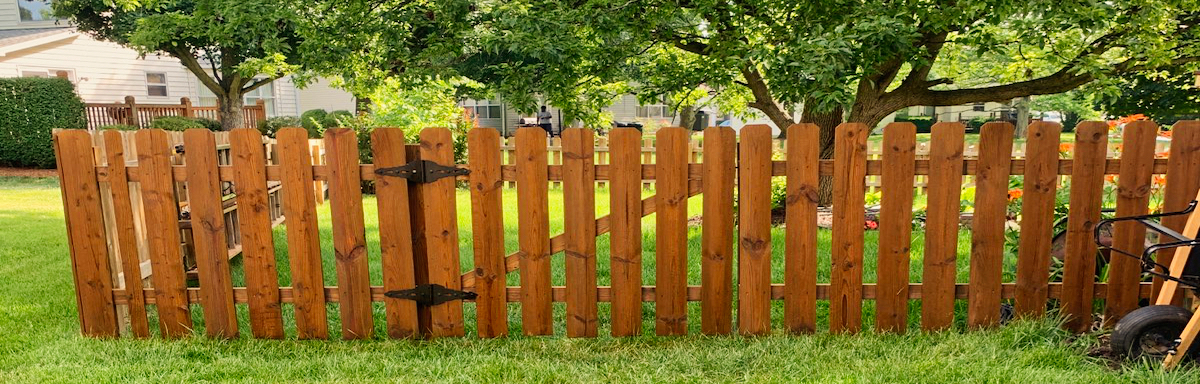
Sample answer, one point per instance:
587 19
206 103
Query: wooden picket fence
418 230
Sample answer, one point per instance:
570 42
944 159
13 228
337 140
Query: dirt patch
28 172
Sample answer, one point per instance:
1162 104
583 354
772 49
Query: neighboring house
34 44
963 113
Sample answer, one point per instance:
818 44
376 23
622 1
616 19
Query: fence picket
670 264
1037 218
395 232
895 227
420 245
849 170
349 235
579 224
1087 182
211 248
487 231
126 246
258 243
800 266
85 233
626 237
1182 184
304 248
1133 199
941 226
754 230
987 226
441 233
716 267
533 223
162 232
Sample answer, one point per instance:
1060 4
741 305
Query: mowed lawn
40 342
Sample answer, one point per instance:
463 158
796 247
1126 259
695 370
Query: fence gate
123 218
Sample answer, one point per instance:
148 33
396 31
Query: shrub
30 108
175 123
336 119
271 125
312 121
211 124
119 127
924 123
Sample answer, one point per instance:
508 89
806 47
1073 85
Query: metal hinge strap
422 171
431 294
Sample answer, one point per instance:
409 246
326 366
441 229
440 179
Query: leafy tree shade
226 44
855 59
1166 97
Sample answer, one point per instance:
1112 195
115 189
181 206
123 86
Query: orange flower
1164 133
1066 147
1014 194
1160 180
1110 178
1166 153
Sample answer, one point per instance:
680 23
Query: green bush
271 125
924 123
175 123
337 118
30 108
119 127
312 121
211 124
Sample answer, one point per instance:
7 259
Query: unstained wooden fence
425 288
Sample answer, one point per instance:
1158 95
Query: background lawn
40 342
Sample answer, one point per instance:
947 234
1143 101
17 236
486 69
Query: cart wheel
1150 331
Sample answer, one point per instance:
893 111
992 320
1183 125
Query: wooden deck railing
130 112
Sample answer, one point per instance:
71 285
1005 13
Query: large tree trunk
229 111
828 122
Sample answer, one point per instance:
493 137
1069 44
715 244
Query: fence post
186 111
132 119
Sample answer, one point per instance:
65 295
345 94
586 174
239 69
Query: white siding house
33 46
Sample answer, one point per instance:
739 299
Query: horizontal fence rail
419 242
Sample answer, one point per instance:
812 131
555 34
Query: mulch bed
28 172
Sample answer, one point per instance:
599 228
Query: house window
979 107
36 10
655 111
46 73
484 109
156 84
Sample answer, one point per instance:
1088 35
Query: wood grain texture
626 238
126 239
1133 199
987 226
754 230
1182 186
162 233
579 226
85 233
941 225
487 231
1079 264
395 232
850 167
716 260
304 248
208 234
534 226
349 234
441 233
895 227
1040 186
420 246
670 264
800 210
258 243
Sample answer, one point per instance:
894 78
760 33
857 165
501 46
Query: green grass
40 342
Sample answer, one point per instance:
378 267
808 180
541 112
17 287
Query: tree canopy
226 44
1165 96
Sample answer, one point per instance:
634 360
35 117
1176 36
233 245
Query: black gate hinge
422 171
431 294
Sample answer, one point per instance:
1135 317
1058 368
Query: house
35 44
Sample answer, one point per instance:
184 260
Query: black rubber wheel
1150 331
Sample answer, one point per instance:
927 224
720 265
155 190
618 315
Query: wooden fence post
186 111
132 119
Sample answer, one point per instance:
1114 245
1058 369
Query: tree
1166 96
226 44
859 60
1073 106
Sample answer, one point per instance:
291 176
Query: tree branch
260 82
763 100
193 65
